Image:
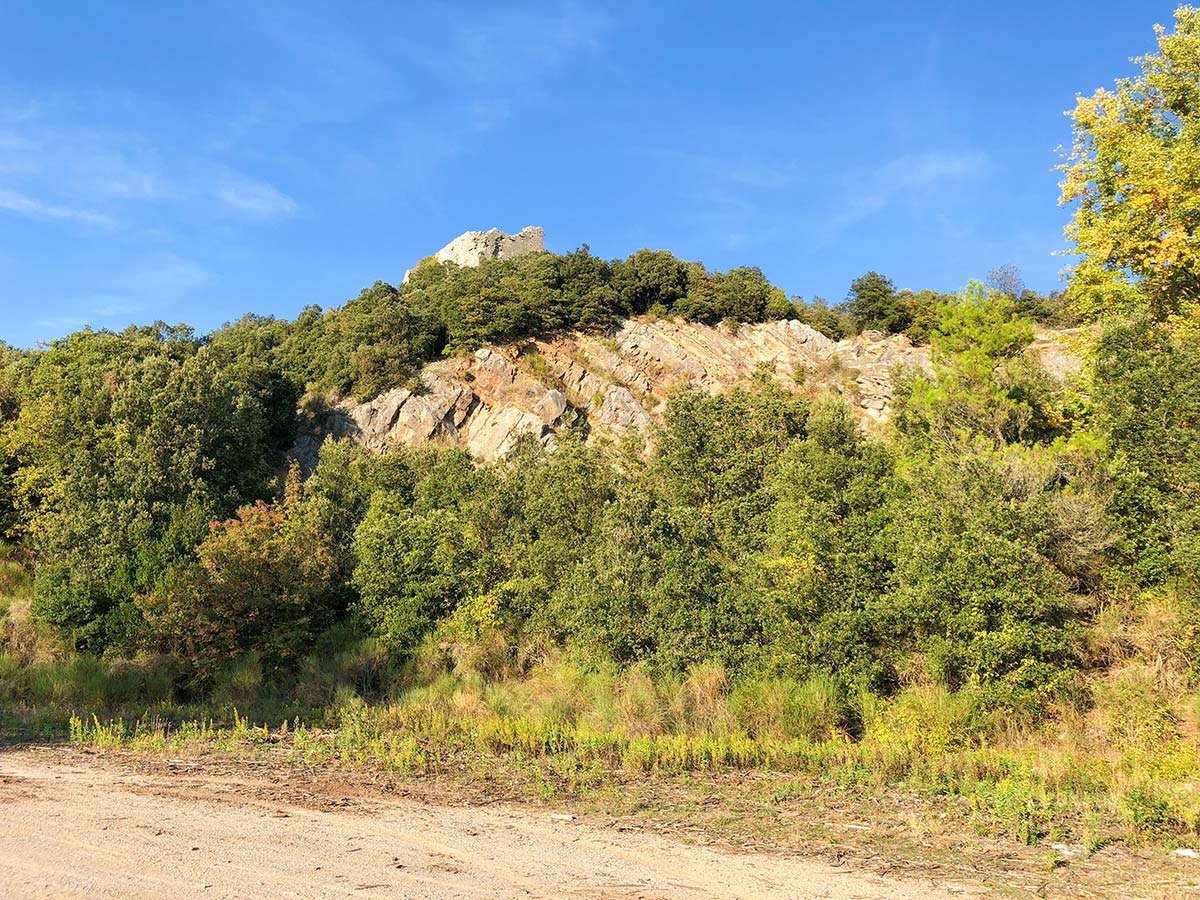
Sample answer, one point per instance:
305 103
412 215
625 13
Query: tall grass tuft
813 709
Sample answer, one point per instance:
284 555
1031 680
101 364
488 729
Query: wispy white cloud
97 312
52 150
753 187
18 155
54 325
20 204
737 171
254 199
56 167
448 82
731 196
107 173
906 176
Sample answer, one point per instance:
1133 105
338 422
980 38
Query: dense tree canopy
1134 177
125 446
1146 385
382 337
984 383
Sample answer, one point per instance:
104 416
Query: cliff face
621 381
644 361
483 402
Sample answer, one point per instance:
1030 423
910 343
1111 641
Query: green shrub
261 582
930 719
1148 810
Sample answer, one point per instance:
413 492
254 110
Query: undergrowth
570 729
1123 768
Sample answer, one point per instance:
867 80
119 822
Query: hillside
785 519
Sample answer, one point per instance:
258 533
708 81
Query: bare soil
76 824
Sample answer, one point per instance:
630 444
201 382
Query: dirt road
76 826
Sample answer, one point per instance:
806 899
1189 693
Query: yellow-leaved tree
1134 170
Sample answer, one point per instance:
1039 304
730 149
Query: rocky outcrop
648 360
1062 351
474 247
483 403
620 382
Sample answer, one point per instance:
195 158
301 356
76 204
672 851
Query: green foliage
376 341
983 383
85 682
380 339
763 536
662 582
764 584
1146 389
126 446
339 492
921 311
976 587
834 324
1002 517
828 557
1133 176
116 450
413 569
874 304
10 408
477 549
712 453
1050 309
1149 811
261 582
653 589
245 350
814 709
739 295
650 279
760 534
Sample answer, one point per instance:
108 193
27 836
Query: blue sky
195 162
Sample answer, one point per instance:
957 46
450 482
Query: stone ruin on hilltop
473 247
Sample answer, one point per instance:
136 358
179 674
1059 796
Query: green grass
999 792
570 730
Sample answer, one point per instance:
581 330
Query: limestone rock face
620 382
647 360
